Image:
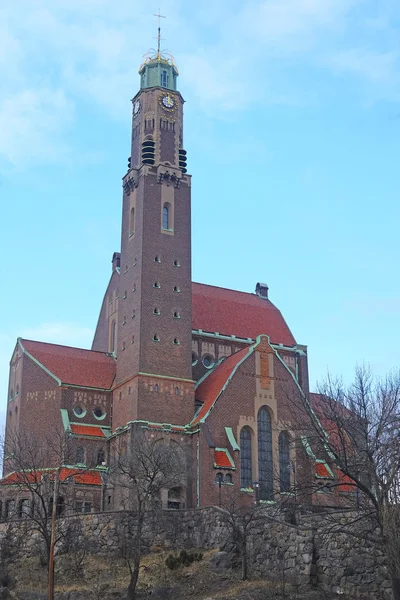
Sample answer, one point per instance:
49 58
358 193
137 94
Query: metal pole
53 536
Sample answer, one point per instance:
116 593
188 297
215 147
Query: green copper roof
158 71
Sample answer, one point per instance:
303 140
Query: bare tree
240 518
142 470
40 490
357 427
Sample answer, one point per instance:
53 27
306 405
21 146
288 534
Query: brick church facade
215 370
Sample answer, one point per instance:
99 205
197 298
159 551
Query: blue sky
292 127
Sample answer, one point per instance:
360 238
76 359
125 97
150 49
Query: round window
79 411
98 413
208 361
194 359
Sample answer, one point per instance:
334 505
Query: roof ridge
218 287
65 346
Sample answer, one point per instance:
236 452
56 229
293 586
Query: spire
158 68
159 38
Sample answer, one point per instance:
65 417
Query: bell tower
154 333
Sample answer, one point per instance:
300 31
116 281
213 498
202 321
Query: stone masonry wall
337 563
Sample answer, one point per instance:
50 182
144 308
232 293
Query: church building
216 371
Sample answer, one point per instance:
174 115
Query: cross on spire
159 38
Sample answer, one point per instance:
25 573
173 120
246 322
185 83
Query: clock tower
154 329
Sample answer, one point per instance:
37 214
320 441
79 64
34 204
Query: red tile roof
238 313
332 416
322 471
74 366
210 388
222 459
80 476
87 430
346 484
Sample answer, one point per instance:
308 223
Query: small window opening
176 342
177 263
133 339
156 311
98 413
156 387
124 321
125 294
177 315
133 313
156 338
177 391
228 478
208 361
123 346
219 478
100 457
80 456
176 288
157 259
156 284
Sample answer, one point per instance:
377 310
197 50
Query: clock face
136 107
168 101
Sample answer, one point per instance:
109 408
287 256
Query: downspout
297 366
198 470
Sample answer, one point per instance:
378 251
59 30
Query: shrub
184 559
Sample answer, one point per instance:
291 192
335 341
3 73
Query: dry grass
100 578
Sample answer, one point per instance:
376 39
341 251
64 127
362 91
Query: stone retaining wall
307 553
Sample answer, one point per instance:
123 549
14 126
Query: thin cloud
63 53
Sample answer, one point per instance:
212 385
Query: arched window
219 478
166 216
132 221
265 467
228 478
246 475
164 79
284 461
80 456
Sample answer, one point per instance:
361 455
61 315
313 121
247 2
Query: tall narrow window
132 221
265 472
113 336
246 475
164 79
166 217
284 461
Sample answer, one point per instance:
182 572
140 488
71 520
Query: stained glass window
265 466
246 479
284 462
